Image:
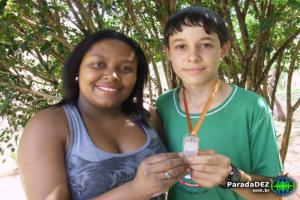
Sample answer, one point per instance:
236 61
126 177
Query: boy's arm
210 169
248 194
264 153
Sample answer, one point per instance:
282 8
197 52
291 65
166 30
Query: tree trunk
286 136
290 109
150 90
279 112
275 79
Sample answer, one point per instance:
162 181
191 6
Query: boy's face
195 55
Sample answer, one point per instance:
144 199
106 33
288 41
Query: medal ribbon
194 131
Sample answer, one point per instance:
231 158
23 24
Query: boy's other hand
209 169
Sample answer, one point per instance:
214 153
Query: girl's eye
126 69
97 65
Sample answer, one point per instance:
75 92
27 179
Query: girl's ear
225 49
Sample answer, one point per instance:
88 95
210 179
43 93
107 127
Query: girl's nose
111 75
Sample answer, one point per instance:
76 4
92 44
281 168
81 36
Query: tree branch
151 14
78 22
99 16
29 91
145 47
241 19
86 17
275 56
291 68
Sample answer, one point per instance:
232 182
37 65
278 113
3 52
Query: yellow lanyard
194 131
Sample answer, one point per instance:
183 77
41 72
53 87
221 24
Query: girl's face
107 74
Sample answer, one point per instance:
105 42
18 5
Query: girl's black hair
134 103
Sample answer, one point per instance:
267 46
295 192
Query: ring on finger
168 175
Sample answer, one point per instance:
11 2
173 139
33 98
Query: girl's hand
159 172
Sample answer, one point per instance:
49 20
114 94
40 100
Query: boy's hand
209 169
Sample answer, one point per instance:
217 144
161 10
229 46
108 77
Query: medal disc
190 145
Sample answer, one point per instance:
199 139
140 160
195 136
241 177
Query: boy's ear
225 49
167 51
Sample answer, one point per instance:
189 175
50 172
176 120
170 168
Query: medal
190 145
191 141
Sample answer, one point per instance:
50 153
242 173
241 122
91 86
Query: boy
237 138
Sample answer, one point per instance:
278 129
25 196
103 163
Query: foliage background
36 36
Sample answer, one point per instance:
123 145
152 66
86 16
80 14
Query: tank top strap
76 126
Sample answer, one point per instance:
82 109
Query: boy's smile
195 54
193 70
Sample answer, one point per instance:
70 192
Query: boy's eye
180 46
206 45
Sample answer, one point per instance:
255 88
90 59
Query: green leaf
45 48
267 23
2 6
294 3
280 2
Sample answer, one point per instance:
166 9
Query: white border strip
182 114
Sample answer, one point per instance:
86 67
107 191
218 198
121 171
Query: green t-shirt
240 128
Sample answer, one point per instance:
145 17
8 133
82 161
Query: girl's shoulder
49 123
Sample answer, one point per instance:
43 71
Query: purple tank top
92 171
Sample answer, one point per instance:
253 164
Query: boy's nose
193 55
